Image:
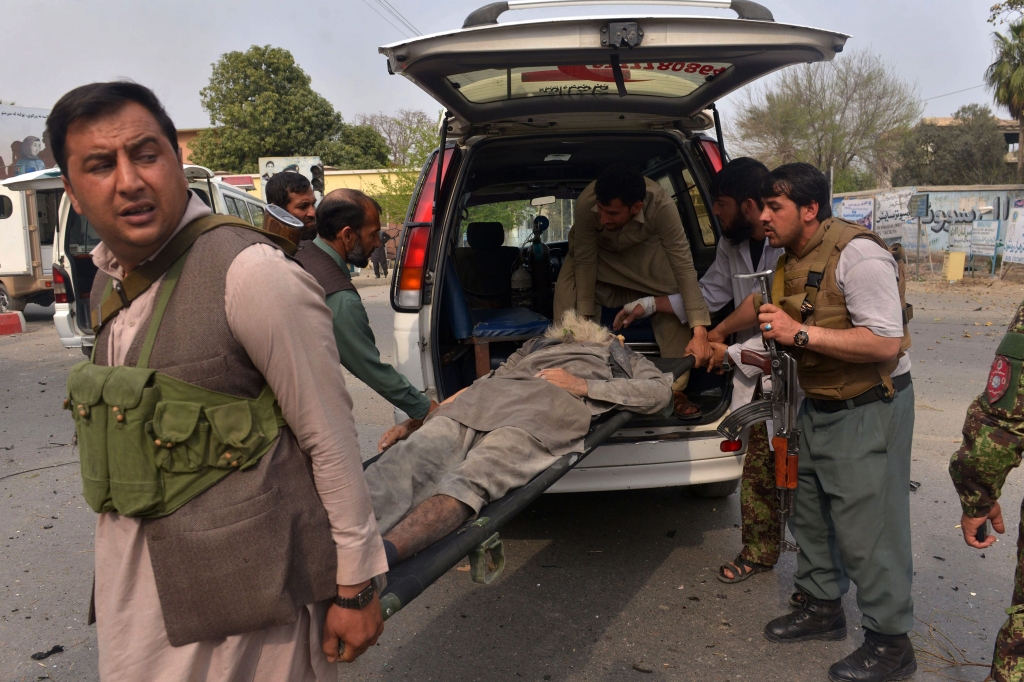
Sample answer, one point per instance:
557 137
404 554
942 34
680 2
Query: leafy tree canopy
971 151
261 103
849 114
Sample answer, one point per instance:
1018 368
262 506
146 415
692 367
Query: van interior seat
480 328
485 266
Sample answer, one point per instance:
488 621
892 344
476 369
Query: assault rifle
780 405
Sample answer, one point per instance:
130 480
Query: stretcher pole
409 579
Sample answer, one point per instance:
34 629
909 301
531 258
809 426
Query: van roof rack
488 14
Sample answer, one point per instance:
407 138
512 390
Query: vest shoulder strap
839 234
141 278
779 280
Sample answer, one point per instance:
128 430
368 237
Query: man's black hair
740 179
89 102
802 184
282 185
341 208
622 182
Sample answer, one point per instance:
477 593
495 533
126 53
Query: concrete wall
949 205
366 181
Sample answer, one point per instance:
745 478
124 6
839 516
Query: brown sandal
741 569
683 408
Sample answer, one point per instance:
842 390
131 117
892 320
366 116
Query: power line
390 23
954 93
398 15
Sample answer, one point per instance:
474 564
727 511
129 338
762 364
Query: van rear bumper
65 330
665 464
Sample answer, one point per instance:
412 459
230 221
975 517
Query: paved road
609 586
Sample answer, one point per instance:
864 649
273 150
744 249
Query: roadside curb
12 323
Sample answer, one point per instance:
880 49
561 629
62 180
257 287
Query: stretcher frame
478 538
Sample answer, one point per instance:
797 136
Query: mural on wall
860 210
950 209
892 215
23 143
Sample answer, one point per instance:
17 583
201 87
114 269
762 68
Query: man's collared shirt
357 348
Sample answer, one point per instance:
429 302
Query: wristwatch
800 339
358 602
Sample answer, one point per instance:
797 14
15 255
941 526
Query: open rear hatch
662 66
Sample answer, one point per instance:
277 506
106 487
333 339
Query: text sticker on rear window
652 79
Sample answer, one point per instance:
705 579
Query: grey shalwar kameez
511 425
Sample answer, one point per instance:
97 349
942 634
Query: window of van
257 214
48 214
516 218
654 79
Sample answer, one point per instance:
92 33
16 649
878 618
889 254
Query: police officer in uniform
992 446
841 312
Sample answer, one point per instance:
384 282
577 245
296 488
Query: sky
940 45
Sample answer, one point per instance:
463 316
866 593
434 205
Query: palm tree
1005 76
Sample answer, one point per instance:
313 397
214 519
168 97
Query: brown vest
325 270
822 376
249 552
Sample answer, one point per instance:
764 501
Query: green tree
999 12
261 103
850 115
1005 77
410 136
971 151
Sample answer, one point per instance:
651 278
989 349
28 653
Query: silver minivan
535 110
75 238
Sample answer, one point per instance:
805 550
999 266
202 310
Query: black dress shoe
880 658
817 619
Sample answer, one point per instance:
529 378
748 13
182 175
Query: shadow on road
592 556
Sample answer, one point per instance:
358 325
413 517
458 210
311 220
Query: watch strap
358 602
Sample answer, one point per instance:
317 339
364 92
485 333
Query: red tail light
414 257
424 212
60 294
731 445
714 154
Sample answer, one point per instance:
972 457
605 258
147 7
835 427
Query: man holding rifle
840 311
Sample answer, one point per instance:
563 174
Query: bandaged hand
570 382
638 309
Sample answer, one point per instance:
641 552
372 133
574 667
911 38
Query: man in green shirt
348 230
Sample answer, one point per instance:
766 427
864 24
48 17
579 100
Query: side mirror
278 221
542 201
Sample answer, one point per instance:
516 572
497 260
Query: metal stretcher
478 539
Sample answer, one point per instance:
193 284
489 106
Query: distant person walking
379 258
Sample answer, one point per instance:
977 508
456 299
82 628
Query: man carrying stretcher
504 429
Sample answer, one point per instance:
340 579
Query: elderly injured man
504 429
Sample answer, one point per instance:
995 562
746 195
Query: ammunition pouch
149 443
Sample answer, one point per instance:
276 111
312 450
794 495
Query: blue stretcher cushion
508 322
488 323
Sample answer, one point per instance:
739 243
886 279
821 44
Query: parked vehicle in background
28 220
71 239
536 111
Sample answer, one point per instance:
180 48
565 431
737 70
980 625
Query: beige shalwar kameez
276 312
649 256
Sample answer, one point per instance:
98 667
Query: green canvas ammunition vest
809 292
148 442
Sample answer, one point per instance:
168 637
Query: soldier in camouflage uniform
759 502
992 446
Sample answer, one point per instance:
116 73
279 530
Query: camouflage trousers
759 503
1008 657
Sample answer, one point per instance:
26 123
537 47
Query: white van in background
28 220
73 238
